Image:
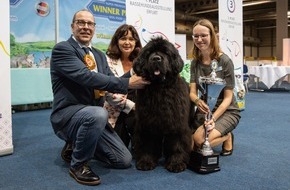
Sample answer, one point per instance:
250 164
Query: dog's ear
140 61
137 61
134 53
176 58
177 61
137 66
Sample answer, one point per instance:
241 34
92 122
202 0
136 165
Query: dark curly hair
113 50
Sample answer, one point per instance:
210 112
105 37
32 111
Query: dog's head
158 61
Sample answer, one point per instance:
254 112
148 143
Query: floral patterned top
114 112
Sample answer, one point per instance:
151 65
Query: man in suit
78 116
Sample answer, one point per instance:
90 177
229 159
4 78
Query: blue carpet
261 158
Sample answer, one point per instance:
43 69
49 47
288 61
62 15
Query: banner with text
6 146
109 15
152 18
231 41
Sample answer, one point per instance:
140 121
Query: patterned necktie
87 50
89 59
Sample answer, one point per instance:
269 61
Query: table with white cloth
269 74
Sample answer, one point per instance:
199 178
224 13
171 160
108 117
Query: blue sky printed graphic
27 26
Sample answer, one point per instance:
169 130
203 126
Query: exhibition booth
26 47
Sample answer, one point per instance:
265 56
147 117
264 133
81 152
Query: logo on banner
112 10
231 5
15 3
42 8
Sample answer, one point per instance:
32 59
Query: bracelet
213 118
196 101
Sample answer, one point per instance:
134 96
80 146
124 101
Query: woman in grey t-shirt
226 114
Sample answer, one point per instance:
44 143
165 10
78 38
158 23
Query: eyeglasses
203 36
82 23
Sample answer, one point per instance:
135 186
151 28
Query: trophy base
204 164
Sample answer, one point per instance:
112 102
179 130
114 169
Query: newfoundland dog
162 109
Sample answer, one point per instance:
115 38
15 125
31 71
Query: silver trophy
205 160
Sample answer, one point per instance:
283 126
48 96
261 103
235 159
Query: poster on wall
231 41
109 15
148 17
32 33
6 146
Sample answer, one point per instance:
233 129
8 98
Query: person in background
226 114
123 49
79 74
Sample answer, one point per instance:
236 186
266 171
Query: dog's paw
176 167
145 165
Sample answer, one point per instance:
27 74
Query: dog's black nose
157 58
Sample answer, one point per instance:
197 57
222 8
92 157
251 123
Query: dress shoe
84 175
66 152
226 152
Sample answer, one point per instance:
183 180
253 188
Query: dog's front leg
148 151
176 152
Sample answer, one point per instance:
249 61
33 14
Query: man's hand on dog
137 82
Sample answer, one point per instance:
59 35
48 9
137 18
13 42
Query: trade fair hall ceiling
256 13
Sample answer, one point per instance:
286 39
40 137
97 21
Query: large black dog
162 108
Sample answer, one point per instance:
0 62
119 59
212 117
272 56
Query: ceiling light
205 11
256 3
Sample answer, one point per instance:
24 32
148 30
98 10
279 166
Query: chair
245 77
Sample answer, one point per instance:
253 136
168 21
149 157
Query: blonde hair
214 43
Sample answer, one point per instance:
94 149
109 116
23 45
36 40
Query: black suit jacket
73 83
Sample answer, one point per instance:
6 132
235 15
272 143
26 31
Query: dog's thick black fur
162 109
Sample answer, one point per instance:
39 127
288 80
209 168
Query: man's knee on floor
124 162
